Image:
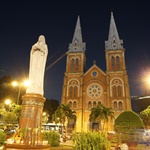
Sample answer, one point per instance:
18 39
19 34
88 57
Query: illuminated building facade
85 89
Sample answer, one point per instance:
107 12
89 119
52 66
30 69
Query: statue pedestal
25 147
30 123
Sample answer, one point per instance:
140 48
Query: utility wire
53 55
56 61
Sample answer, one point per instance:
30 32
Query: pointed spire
77 45
114 41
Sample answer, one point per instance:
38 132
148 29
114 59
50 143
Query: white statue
38 57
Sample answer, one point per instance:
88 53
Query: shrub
127 121
52 137
129 127
90 141
2 137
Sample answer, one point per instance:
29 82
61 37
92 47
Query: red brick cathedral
84 90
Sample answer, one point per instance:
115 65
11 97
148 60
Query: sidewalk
68 143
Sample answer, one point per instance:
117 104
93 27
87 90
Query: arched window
70 104
115 105
94 104
77 63
89 105
120 105
99 102
72 65
117 62
75 91
114 91
74 105
71 91
113 62
119 90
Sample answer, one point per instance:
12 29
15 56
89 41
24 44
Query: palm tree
107 112
65 114
100 114
71 117
96 114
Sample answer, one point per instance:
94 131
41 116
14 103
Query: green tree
71 117
145 115
63 115
107 112
11 117
45 117
50 106
101 114
16 109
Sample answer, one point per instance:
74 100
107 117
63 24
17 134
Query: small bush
90 141
2 137
129 127
127 121
52 137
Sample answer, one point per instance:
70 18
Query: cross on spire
94 62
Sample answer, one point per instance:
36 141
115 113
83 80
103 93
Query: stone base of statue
29 135
25 147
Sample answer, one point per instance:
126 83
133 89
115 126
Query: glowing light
44 113
7 101
148 80
14 83
27 83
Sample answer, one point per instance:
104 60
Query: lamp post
26 83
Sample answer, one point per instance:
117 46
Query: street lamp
26 83
8 102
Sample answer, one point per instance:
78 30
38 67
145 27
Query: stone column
30 124
31 115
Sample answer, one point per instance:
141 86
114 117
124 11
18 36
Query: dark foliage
49 107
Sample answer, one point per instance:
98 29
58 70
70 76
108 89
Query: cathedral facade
83 90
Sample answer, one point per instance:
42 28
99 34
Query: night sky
22 22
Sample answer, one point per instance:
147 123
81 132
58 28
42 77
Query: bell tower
73 77
118 95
